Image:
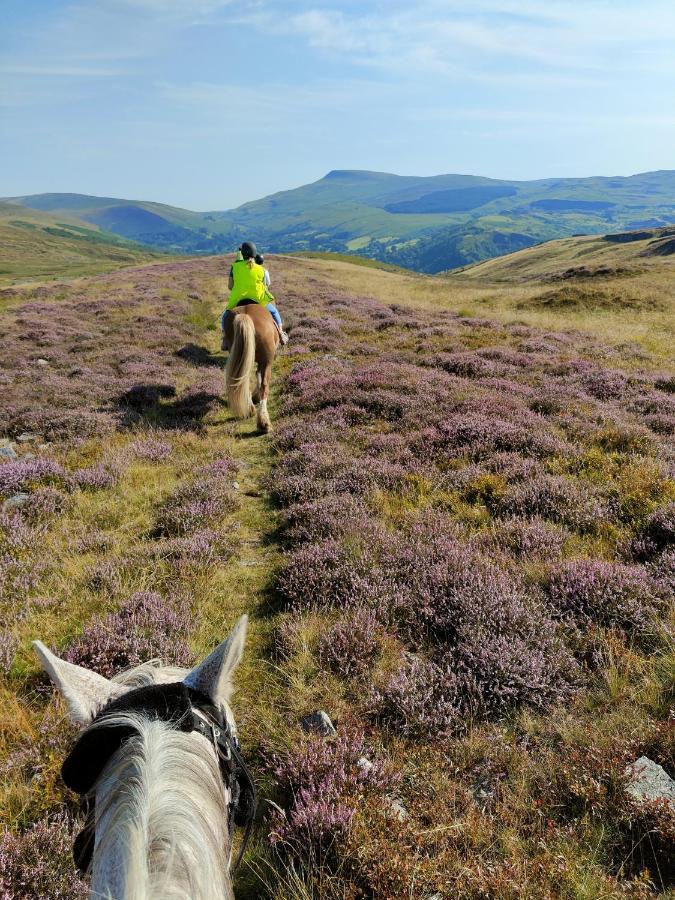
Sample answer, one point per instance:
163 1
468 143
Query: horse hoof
265 427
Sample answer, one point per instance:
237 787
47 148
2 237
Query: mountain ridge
428 223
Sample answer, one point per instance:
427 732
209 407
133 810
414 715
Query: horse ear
213 676
85 692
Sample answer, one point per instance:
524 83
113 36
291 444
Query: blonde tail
238 369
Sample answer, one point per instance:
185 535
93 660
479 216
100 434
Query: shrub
556 499
352 645
20 474
95 477
145 627
151 449
419 699
657 534
606 593
323 782
195 506
38 862
526 539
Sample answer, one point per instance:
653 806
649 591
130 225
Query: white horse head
161 802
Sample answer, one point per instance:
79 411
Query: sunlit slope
583 257
620 289
38 246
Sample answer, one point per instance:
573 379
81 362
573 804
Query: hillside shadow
157 406
197 355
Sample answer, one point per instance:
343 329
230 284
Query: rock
397 809
27 437
8 452
15 501
650 781
42 362
28 456
319 722
364 764
235 485
46 446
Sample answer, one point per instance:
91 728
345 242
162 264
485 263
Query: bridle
184 709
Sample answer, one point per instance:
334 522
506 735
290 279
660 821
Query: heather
38 862
144 628
324 782
606 593
457 542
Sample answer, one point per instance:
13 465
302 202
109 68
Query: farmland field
457 542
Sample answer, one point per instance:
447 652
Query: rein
185 709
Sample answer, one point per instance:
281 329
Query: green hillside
37 245
430 224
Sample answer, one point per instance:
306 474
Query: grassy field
457 543
631 300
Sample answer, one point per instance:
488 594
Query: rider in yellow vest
247 282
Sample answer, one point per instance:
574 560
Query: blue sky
209 103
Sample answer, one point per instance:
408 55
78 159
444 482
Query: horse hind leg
256 393
264 423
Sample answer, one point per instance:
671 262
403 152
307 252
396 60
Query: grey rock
364 764
46 446
235 485
28 456
650 781
319 722
42 362
8 452
15 501
27 437
397 809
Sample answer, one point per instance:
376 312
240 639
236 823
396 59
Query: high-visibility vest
249 284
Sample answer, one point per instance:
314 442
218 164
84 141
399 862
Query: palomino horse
253 337
158 763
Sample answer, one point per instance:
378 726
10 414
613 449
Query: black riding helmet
248 250
259 258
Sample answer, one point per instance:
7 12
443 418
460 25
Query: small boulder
396 809
650 781
8 452
320 723
16 501
42 362
27 437
364 765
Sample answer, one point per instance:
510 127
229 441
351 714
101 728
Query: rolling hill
37 245
430 224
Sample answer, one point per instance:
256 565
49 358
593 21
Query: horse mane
161 822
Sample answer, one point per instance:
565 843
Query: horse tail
239 365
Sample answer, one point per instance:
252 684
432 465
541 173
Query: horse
253 337
158 764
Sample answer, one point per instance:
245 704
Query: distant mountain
430 224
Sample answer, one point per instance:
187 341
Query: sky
206 104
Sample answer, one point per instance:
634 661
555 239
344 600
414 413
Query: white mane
161 809
161 818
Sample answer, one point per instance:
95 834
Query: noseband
184 709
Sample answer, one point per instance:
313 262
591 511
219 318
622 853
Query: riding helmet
248 250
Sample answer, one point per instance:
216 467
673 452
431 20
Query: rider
247 282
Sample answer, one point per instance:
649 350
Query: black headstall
185 710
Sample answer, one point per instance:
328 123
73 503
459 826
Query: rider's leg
274 312
224 344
